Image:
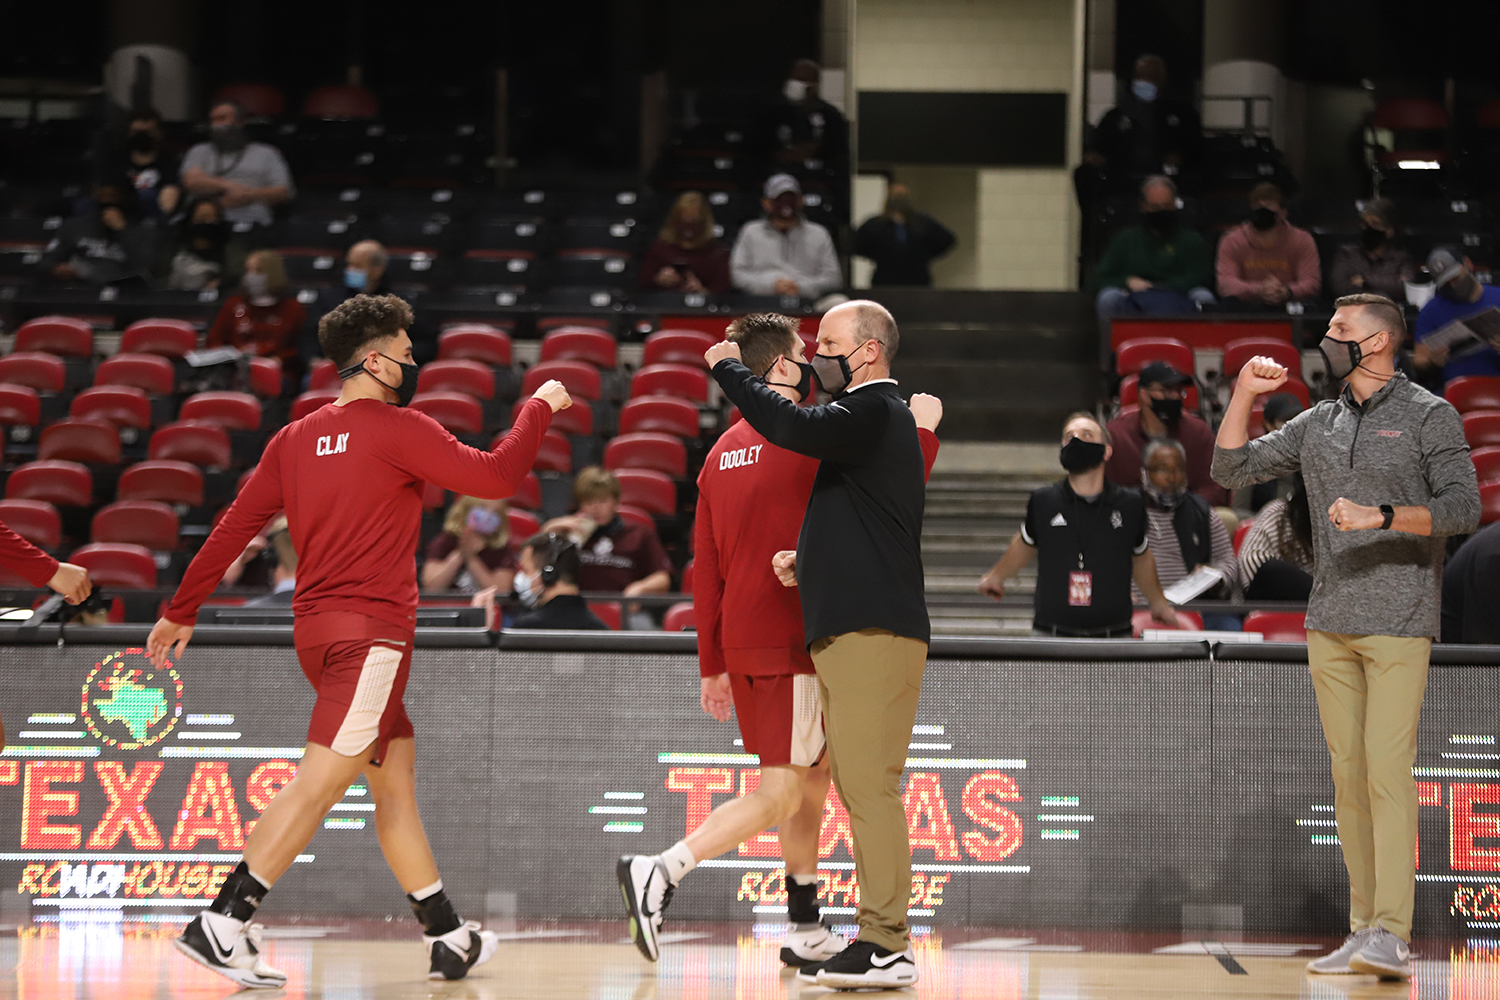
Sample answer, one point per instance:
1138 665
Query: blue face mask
355 278
1145 90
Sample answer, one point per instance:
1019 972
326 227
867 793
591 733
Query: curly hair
357 322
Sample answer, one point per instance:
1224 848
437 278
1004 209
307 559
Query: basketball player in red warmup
350 478
41 570
752 653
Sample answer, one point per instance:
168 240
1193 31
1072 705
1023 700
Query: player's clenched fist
723 349
554 394
72 582
927 410
1262 375
784 564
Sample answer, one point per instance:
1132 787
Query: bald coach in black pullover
858 566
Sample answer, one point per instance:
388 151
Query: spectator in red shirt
1161 414
1267 261
686 256
264 319
472 552
41 570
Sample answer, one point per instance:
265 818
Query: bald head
848 327
370 257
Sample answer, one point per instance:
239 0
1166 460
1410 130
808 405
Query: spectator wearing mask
1374 264
1471 606
198 261
105 247
902 241
1157 268
248 178
550 571
472 552
150 170
807 137
1089 537
1276 412
1276 556
1161 414
284 576
686 256
365 269
616 556
1459 296
1267 261
262 318
784 253
1184 532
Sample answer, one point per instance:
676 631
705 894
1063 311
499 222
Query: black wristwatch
1390 515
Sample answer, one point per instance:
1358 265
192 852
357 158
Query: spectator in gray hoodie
784 253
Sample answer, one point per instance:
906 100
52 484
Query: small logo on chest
1115 520
1058 521
1389 434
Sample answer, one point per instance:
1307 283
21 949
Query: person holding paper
1460 296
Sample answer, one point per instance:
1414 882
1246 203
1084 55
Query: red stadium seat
1489 503
151 373
580 343
547 324
1482 428
1138 352
529 495
647 450
66 484
475 342
313 399
687 578
95 441
163 479
1130 393
459 412
556 454
323 374
1188 621
265 377
65 336
257 100
117 565
576 419
610 613
680 381
42 372
636 516
1239 351
679 618
1486 463
678 347
341 101
1473 392
191 441
472 378
522 525
233 411
1240 532
581 379
170 338
661 414
19 404
121 405
1297 388
1278 626
147 523
649 490
37 521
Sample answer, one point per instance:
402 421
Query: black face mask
228 138
209 232
1162 222
1460 289
404 392
1341 357
1263 218
142 142
1372 239
1168 411
803 386
833 372
1079 455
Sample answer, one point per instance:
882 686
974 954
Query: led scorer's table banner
1049 782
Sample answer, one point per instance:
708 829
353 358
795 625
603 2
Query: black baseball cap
1161 373
1282 407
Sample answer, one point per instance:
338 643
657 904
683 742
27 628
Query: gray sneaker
1384 955
1336 963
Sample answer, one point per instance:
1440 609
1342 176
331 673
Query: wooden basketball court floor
127 959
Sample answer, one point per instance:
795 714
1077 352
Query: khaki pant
870 681
1369 691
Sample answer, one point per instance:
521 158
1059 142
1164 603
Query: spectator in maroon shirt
472 552
1161 414
617 556
686 256
264 319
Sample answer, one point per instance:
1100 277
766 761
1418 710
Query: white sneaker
1336 962
808 944
1384 955
229 947
461 949
647 891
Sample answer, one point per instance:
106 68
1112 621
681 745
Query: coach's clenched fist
1262 375
723 349
554 394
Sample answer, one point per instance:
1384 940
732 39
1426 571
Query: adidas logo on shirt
1058 521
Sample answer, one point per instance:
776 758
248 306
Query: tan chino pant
869 681
1369 691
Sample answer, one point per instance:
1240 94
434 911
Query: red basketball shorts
360 683
780 716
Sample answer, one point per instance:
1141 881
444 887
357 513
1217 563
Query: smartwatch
1389 513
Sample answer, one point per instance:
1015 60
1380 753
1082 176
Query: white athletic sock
431 890
679 861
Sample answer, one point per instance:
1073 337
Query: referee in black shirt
1089 536
858 567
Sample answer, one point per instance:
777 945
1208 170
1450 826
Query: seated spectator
1471 608
198 260
248 178
1376 263
1459 296
150 170
550 572
1182 529
106 247
784 253
1158 268
263 318
808 137
686 256
1161 414
364 269
902 241
1267 261
472 552
284 576
1276 556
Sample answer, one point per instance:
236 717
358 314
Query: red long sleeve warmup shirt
751 498
350 479
24 559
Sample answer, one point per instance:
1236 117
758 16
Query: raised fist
1262 375
554 394
928 410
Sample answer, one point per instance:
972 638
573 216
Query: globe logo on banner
128 703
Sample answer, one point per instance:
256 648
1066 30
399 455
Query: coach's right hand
1261 375
164 636
554 394
72 582
784 564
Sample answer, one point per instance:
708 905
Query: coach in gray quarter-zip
1388 464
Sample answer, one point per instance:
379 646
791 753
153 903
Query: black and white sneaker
647 891
865 965
461 949
809 944
230 948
